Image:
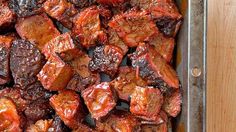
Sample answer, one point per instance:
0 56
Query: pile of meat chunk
88 65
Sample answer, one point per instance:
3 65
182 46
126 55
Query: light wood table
221 61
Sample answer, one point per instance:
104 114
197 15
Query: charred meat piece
25 62
133 27
106 59
63 45
114 39
87 27
155 128
7 17
110 2
55 74
5 45
119 122
146 102
10 120
126 82
25 8
34 92
172 103
38 29
82 77
40 126
68 106
61 10
99 99
163 45
58 125
37 110
153 68
164 12
83 128
14 95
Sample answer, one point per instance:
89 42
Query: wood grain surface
221 61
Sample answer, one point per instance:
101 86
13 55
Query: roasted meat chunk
146 102
40 126
155 128
5 45
25 62
25 8
68 106
55 74
165 13
81 4
14 95
58 125
133 27
37 110
34 92
63 45
87 27
172 103
83 128
61 10
99 99
82 77
106 59
126 82
114 39
7 17
153 68
110 2
38 29
9 118
163 45
119 122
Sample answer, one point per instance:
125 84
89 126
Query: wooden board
221 61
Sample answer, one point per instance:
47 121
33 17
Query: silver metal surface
191 66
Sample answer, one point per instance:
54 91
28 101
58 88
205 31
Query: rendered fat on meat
100 99
146 102
55 74
38 29
68 106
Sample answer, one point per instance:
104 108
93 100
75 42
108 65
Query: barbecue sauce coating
38 29
146 102
99 99
55 74
67 105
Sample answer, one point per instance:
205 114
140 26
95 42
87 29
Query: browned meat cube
165 14
163 45
126 82
14 94
106 59
110 2
146 102
133 27
159 119
119 122
99 99
55 74
58 125
172 103
61 10
40 126
155 128
87 27
25 62
7 17
83 77
10 120
37 29
25 8
39 109
114 39
5 45
63 45
153 68
68 106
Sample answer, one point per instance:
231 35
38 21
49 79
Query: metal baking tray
190 63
